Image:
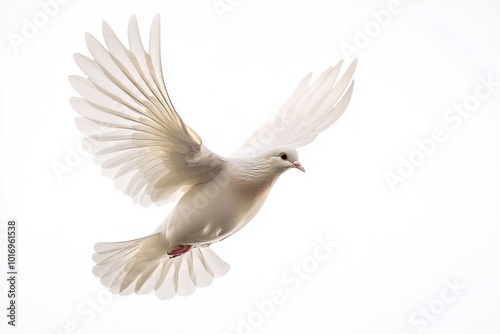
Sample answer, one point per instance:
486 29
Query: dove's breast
212 211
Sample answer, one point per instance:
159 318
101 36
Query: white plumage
141 142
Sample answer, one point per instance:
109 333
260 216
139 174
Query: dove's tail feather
142 266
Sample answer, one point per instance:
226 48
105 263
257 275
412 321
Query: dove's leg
179 250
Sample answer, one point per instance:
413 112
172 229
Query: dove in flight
141 142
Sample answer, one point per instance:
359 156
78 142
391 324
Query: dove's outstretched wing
131 125
310 110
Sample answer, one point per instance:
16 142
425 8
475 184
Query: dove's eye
283 156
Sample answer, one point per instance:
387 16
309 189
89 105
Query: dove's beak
299 166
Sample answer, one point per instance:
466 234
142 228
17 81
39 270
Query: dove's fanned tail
142 266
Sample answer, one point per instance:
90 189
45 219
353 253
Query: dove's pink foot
179 250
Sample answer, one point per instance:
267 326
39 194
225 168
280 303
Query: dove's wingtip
354 62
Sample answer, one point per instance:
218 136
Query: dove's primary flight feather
141 142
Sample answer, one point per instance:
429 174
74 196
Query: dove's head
284 158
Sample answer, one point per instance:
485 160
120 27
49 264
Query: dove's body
240 187
198 220
153 156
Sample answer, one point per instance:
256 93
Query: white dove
141 142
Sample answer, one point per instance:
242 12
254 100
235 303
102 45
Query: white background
398 249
